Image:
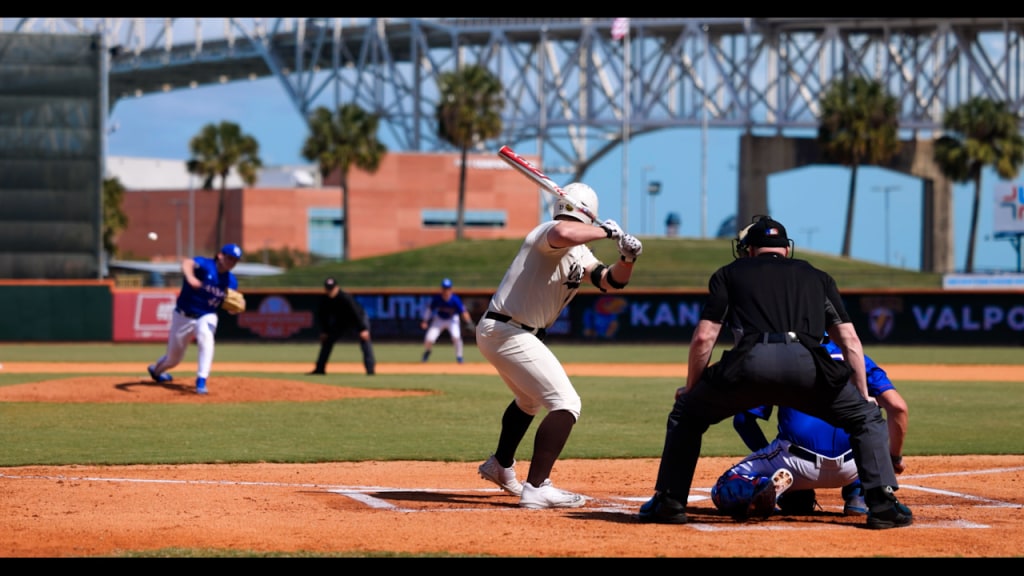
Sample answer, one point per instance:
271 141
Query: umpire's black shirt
341 313
770 293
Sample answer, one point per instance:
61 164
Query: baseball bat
547 184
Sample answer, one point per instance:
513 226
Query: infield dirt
964 506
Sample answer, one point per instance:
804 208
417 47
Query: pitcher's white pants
183 329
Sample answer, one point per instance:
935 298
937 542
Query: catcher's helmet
581 193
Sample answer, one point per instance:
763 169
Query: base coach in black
778 309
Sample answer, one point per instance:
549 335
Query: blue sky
810 202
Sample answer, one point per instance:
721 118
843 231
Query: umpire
778 308
339 314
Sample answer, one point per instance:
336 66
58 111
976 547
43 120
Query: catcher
207 286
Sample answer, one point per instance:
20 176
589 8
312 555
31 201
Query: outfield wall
84 311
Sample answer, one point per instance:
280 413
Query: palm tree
340 141
468 112
980 132
114 218
218 148
859 125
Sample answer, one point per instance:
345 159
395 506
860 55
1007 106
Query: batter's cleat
160 378
426 355
505 478
782 479
663 509
886 511
200 385
458 359
547 496
855 504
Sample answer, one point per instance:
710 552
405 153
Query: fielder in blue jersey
443 313
817 454
205 282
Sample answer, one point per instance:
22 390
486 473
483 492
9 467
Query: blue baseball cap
233 250
446 283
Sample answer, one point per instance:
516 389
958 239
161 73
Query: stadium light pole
645 198
886 190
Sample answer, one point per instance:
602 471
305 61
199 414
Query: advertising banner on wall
928 318
143 315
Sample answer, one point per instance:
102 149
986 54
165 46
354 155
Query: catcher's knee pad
742 496
798 502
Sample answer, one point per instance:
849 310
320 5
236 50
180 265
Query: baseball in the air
152 236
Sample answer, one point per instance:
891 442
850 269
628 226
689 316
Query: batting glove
629 248
612 229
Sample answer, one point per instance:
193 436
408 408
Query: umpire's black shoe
885 511
316 372
663 509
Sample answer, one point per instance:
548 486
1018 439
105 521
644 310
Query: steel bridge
572 91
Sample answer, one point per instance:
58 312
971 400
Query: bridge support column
761 156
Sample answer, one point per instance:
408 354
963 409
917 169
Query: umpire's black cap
767 233
330 283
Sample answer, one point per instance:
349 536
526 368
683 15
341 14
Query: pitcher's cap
446 283
233 250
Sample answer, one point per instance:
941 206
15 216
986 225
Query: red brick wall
385 209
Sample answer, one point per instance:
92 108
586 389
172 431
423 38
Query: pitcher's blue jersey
208 298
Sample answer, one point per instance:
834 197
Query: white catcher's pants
823 473
183 329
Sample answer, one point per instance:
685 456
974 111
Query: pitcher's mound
106 389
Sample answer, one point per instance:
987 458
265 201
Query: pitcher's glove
629 248
234 302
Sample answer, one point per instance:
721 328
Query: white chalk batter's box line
624 505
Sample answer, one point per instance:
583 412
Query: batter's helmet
581 193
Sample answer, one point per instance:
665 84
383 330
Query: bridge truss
573 92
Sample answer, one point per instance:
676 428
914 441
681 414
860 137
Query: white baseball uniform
540 282
182 330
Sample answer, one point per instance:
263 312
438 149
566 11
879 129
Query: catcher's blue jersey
810 432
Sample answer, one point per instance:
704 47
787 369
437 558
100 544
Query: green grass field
665 263
622 417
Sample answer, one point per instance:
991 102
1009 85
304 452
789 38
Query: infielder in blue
443 313
815 453
205 282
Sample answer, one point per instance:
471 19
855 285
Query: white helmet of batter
581 193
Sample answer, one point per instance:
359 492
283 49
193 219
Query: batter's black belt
778 337
804 454
187 314
538 332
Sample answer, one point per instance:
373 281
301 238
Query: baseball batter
443 313
552 263
204 284
816 453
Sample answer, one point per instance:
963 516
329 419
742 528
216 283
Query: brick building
410 202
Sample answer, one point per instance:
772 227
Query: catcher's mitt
234 302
